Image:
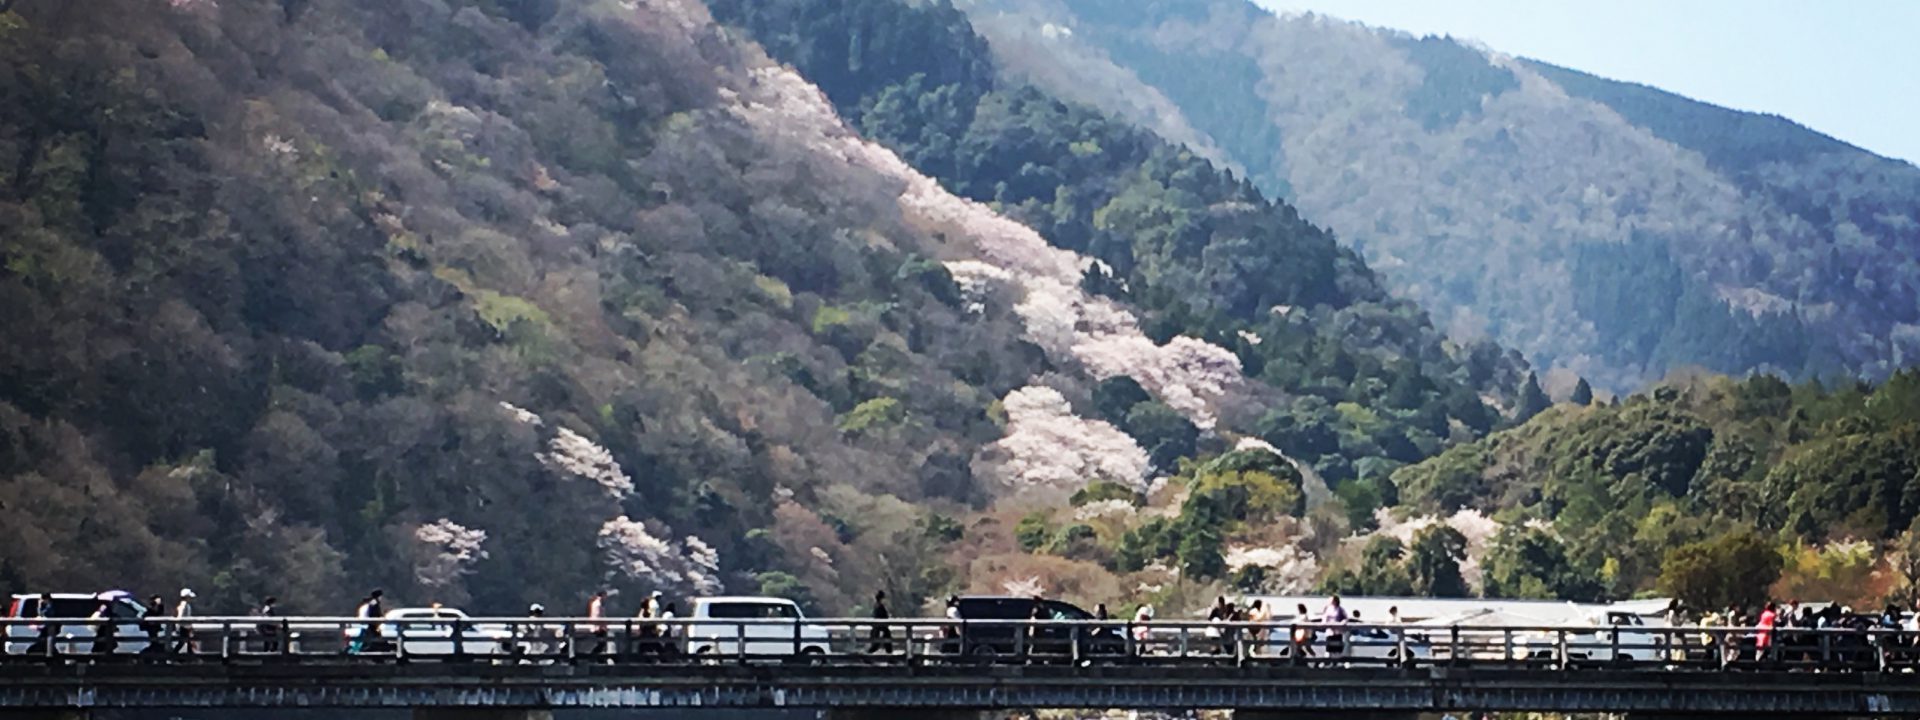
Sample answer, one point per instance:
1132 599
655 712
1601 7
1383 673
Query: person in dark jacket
268 628
881 637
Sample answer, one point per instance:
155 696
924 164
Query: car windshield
752 611
1063 611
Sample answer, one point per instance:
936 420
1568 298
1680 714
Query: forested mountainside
1199 251
1661 491
496 301
1601 227
488 302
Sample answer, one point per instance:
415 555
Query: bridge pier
477 713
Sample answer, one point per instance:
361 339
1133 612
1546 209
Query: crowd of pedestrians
1794 634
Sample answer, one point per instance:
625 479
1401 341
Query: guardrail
958 642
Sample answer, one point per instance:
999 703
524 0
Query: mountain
488 302
499 301
1609 229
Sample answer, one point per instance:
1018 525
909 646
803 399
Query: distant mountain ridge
1610 229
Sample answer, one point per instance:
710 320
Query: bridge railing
944 641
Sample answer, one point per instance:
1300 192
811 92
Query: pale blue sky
1847 68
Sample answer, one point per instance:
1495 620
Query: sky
1847 68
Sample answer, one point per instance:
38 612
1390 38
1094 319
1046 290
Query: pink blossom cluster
451 551
636 555
1046 445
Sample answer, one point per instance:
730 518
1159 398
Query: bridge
1171 666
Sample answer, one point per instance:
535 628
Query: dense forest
308 295
1604 228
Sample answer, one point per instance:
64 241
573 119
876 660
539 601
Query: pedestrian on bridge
1334 616
880 638
48 631
105 640
1763 635
150 623
268 629
596 615
184 631
368 632
1143 630
1302 635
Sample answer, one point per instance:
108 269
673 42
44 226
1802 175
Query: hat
655 594
186 593
536 608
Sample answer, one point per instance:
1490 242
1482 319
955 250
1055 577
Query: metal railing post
1562 658
740 641
1506 642
1400 647
459 638
1184 632
226 641
1073 636
1453 646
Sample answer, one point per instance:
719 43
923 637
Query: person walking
47 632
186 643
151 624
646 639
596 622
268 628
1335 616
880 638
1763 634
1302 640
532 635
1259 614
105 634
1217 617
367 635
1143 630
669 637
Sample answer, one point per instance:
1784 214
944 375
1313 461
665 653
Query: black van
981 636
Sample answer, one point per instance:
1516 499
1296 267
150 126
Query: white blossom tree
445 553
1048 446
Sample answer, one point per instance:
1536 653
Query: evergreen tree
1433 563
1533 400
1582 393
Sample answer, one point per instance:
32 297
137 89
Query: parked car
782 630
430 632
980 636
75 633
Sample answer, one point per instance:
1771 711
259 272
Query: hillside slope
499 302
1610 229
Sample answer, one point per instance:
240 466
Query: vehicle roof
109 595
758 599
402 612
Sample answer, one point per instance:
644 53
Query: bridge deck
1432 689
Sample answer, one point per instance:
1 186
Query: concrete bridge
477 691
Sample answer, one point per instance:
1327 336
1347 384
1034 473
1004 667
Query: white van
75 632
781 630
